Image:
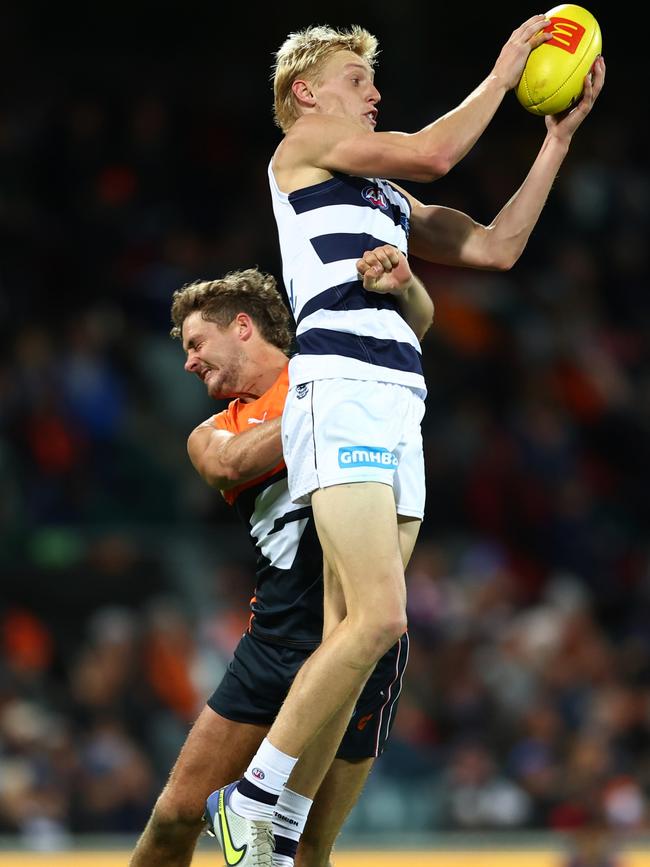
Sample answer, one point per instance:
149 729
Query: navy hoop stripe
348 296
336 191
373 350
285 846
250 790
336 246
327 194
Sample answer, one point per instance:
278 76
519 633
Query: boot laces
263 844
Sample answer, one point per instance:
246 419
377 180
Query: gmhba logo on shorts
366 456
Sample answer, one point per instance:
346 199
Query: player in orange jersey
236 332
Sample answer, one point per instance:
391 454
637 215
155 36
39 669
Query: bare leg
337 795
408 529
358 530
316 760
334 609
342 785
216 751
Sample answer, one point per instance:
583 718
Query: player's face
345 88
214 354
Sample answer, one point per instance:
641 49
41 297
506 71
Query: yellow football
553 78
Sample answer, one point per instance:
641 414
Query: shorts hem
405 512
357 755
240 718
331 483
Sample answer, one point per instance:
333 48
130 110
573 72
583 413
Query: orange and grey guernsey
342 330
287 607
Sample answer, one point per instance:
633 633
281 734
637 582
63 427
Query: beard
225 383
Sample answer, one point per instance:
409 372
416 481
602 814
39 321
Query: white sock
290 816
257 792
289 821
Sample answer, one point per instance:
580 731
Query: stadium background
134 141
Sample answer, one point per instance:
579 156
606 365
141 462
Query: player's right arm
225 460
331 143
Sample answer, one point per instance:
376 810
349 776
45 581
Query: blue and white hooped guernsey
343 331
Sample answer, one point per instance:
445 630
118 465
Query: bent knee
378 636
174 813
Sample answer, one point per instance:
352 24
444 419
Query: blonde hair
303 54
250 291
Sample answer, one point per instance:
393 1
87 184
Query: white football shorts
336 431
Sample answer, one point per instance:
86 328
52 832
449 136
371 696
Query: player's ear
244 326
303 93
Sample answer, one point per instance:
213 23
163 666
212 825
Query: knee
175 817
389 631
378 634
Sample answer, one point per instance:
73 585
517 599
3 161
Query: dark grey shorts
258 678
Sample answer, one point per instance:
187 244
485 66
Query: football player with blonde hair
304 54
351 424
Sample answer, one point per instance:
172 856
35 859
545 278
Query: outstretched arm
455 133
450 237
224 459
386 270
331 143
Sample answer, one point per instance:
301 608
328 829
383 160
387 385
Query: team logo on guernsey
375 196
367 456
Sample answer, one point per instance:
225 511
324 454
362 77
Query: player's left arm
386 270
450 237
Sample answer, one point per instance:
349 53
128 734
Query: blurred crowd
124 583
